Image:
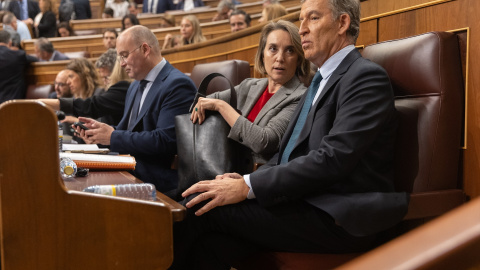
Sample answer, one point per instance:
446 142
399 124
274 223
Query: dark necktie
136 104
312 90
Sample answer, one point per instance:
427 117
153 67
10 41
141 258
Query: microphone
60 115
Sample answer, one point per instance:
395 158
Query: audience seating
426 76
44 226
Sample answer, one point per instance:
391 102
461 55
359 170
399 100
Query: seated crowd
322 144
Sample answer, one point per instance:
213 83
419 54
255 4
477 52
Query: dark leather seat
426 75
38 91
235 70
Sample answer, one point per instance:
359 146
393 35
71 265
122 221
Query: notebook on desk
84 148
106 162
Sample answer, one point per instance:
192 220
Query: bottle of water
136 191
68 168
60 117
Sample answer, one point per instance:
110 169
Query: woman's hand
203 104
166 41
69 119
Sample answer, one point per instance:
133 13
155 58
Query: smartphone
81 125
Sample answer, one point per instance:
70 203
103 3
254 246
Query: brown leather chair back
426 75
235 70
38 91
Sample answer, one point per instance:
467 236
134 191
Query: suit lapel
327 90
154 90
278 97
254 93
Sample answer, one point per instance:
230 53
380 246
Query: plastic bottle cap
68 170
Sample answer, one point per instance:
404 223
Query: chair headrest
414 57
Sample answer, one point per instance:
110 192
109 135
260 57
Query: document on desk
84 148
107 162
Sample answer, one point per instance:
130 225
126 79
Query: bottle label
106 190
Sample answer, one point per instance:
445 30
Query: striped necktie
312 90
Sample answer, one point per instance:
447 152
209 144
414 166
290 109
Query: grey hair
8 17
225 3
352 9
107 59
5 36
44 45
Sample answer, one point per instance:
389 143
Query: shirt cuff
250 194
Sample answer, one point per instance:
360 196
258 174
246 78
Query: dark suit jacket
59 56
82 9
153 141
107 104
32 6
48 25
12 73
196 3
342 162
162 6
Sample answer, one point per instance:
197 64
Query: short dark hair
5 37
248 19
44 45
108 11
132 18
111 30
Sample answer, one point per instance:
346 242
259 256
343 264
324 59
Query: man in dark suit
330 187
157 6
45 51
24 10
158 94
13 64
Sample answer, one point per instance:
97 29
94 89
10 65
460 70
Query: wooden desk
121 177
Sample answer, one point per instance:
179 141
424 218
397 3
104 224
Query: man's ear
343 23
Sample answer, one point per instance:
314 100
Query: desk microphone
60 115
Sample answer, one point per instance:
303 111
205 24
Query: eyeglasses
122 58
59 84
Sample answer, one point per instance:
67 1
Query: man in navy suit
157 6
13 64
147 129
330 188
45 52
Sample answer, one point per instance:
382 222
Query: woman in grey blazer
266 104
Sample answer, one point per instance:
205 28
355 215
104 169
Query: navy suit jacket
59 56
153 141
162 6
32 7
342 162
13 65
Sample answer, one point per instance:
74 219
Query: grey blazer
264 135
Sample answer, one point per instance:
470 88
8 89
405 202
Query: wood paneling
375 7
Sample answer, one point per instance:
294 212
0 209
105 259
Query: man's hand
222 192
98 133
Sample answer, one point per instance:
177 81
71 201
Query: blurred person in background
128 21
190 31
45 22
119 7
239 20
45 51
64 30
272 11
110 38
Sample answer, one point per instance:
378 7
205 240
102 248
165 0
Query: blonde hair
303 65
118 74
274 11
49 6
197 35
88 75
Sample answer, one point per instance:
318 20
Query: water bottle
60 117
68 168
136 191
